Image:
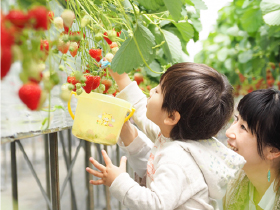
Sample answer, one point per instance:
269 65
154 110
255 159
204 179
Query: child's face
242 141
154 104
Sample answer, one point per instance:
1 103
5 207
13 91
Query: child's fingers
97 165
94 173
96 182
106 158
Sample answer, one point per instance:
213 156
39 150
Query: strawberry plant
245 44
88 37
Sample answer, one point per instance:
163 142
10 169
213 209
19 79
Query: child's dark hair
202 96
261 110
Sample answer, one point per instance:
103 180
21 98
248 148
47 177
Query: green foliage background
245 42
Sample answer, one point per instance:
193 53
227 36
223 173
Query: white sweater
180 174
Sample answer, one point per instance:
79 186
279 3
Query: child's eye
243 127
235 118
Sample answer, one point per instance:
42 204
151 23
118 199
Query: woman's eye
243 127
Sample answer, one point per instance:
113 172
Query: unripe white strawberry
65 93
85 20
115 50
58 22
68 16
109 57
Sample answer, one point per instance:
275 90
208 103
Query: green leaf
272 18
174 7
258 65
151 4
196 24
245 56
128 57
251 20
268 6
222 54
186 30
199 4
155 66
172 47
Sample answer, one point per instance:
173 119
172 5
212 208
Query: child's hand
128 133
122 80
107 174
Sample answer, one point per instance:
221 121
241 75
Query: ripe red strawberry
108 83
107 39
6 60
30 95
98 58
72 80
89 83
94 53
7 38
40 16
86 71
73 49
18 18
62 46
96 82
138 77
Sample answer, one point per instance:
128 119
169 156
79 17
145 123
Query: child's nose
152 91
230 133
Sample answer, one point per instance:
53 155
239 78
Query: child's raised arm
122 80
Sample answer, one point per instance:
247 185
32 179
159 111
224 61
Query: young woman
255 134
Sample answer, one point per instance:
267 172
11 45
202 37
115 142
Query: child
186 168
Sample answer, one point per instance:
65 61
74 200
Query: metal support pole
73 197
107 192
118 160
14 176
90 198
47 165
54 171
69 161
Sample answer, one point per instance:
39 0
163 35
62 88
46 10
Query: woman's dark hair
202 96
261 110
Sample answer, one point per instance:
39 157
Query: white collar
267 201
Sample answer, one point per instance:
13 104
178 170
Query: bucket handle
130 114
69 106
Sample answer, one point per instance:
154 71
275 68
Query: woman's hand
108 173
122 80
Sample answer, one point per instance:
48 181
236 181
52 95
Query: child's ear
172 119
273 153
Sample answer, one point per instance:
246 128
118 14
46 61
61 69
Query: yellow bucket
99 118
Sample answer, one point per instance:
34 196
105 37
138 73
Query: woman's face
242 141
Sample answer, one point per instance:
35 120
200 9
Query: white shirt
267 201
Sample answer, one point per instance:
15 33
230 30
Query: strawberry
62 46
98 58
77 36
68 16
58 23
51 15
108 83
7 38
114 44
86 71
73 49
94 53
30 95
40 15
96 82
89 83
106 38
6 60
109 57
34 80
18 18
72 80
138 77
119 33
